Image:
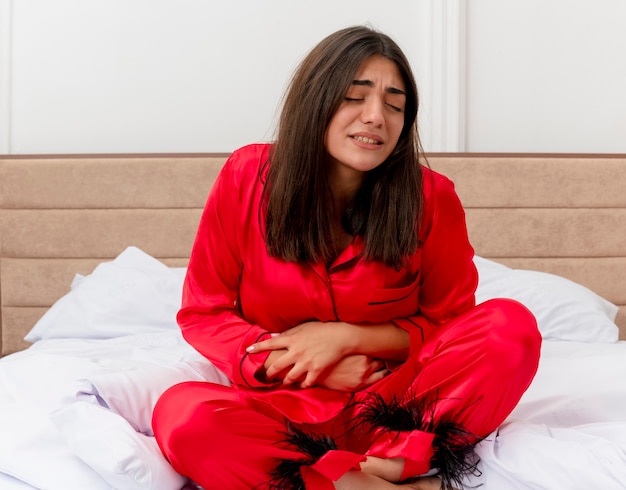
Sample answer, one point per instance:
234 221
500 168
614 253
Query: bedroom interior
115 121
92 256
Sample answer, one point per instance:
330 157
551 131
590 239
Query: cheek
332 134
396 129
328 140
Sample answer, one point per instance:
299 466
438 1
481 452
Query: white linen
564 309
8 482
133 394
135 293
577 384
33 451
569 429
55 435
129 460
75 408
525 456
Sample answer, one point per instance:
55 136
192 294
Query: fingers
377 376
377 365
299 374
298 359
273 343
279 365
311 378
286 363
294 372
292 377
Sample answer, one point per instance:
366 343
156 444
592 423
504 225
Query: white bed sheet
569 430
75 412
68 423
9 483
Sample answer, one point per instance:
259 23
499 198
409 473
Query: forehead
381 71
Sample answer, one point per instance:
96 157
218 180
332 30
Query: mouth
367 140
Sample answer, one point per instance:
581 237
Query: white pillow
565 310
135 293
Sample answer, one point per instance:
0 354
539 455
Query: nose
373 112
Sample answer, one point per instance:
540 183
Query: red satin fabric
473 362
416 447
235 293
333 465
474 369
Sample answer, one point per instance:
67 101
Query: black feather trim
452 445
394 416
454 456
287 474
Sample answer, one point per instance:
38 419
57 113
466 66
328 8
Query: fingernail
250 349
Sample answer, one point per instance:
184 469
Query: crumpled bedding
76 406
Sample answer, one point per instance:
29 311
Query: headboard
62 215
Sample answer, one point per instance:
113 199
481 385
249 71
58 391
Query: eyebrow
369 83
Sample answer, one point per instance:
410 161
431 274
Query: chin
359 163
366 166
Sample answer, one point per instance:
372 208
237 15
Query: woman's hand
308 351
353 373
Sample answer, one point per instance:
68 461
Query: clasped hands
320 354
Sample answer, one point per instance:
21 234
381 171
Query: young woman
332 280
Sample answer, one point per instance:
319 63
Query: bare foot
381 474
366 481
388 469
424 483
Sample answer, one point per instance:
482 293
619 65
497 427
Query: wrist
351 338
384 341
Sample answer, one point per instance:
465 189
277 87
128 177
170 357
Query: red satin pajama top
235 293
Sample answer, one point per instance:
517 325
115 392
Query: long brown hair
386 210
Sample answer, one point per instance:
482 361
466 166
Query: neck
344 186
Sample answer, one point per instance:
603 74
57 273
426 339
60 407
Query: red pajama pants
472 370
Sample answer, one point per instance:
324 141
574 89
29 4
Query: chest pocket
390 303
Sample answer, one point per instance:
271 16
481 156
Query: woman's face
366 127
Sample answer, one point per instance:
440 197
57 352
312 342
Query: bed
93 252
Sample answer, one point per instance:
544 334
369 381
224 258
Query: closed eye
354 99
395 108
